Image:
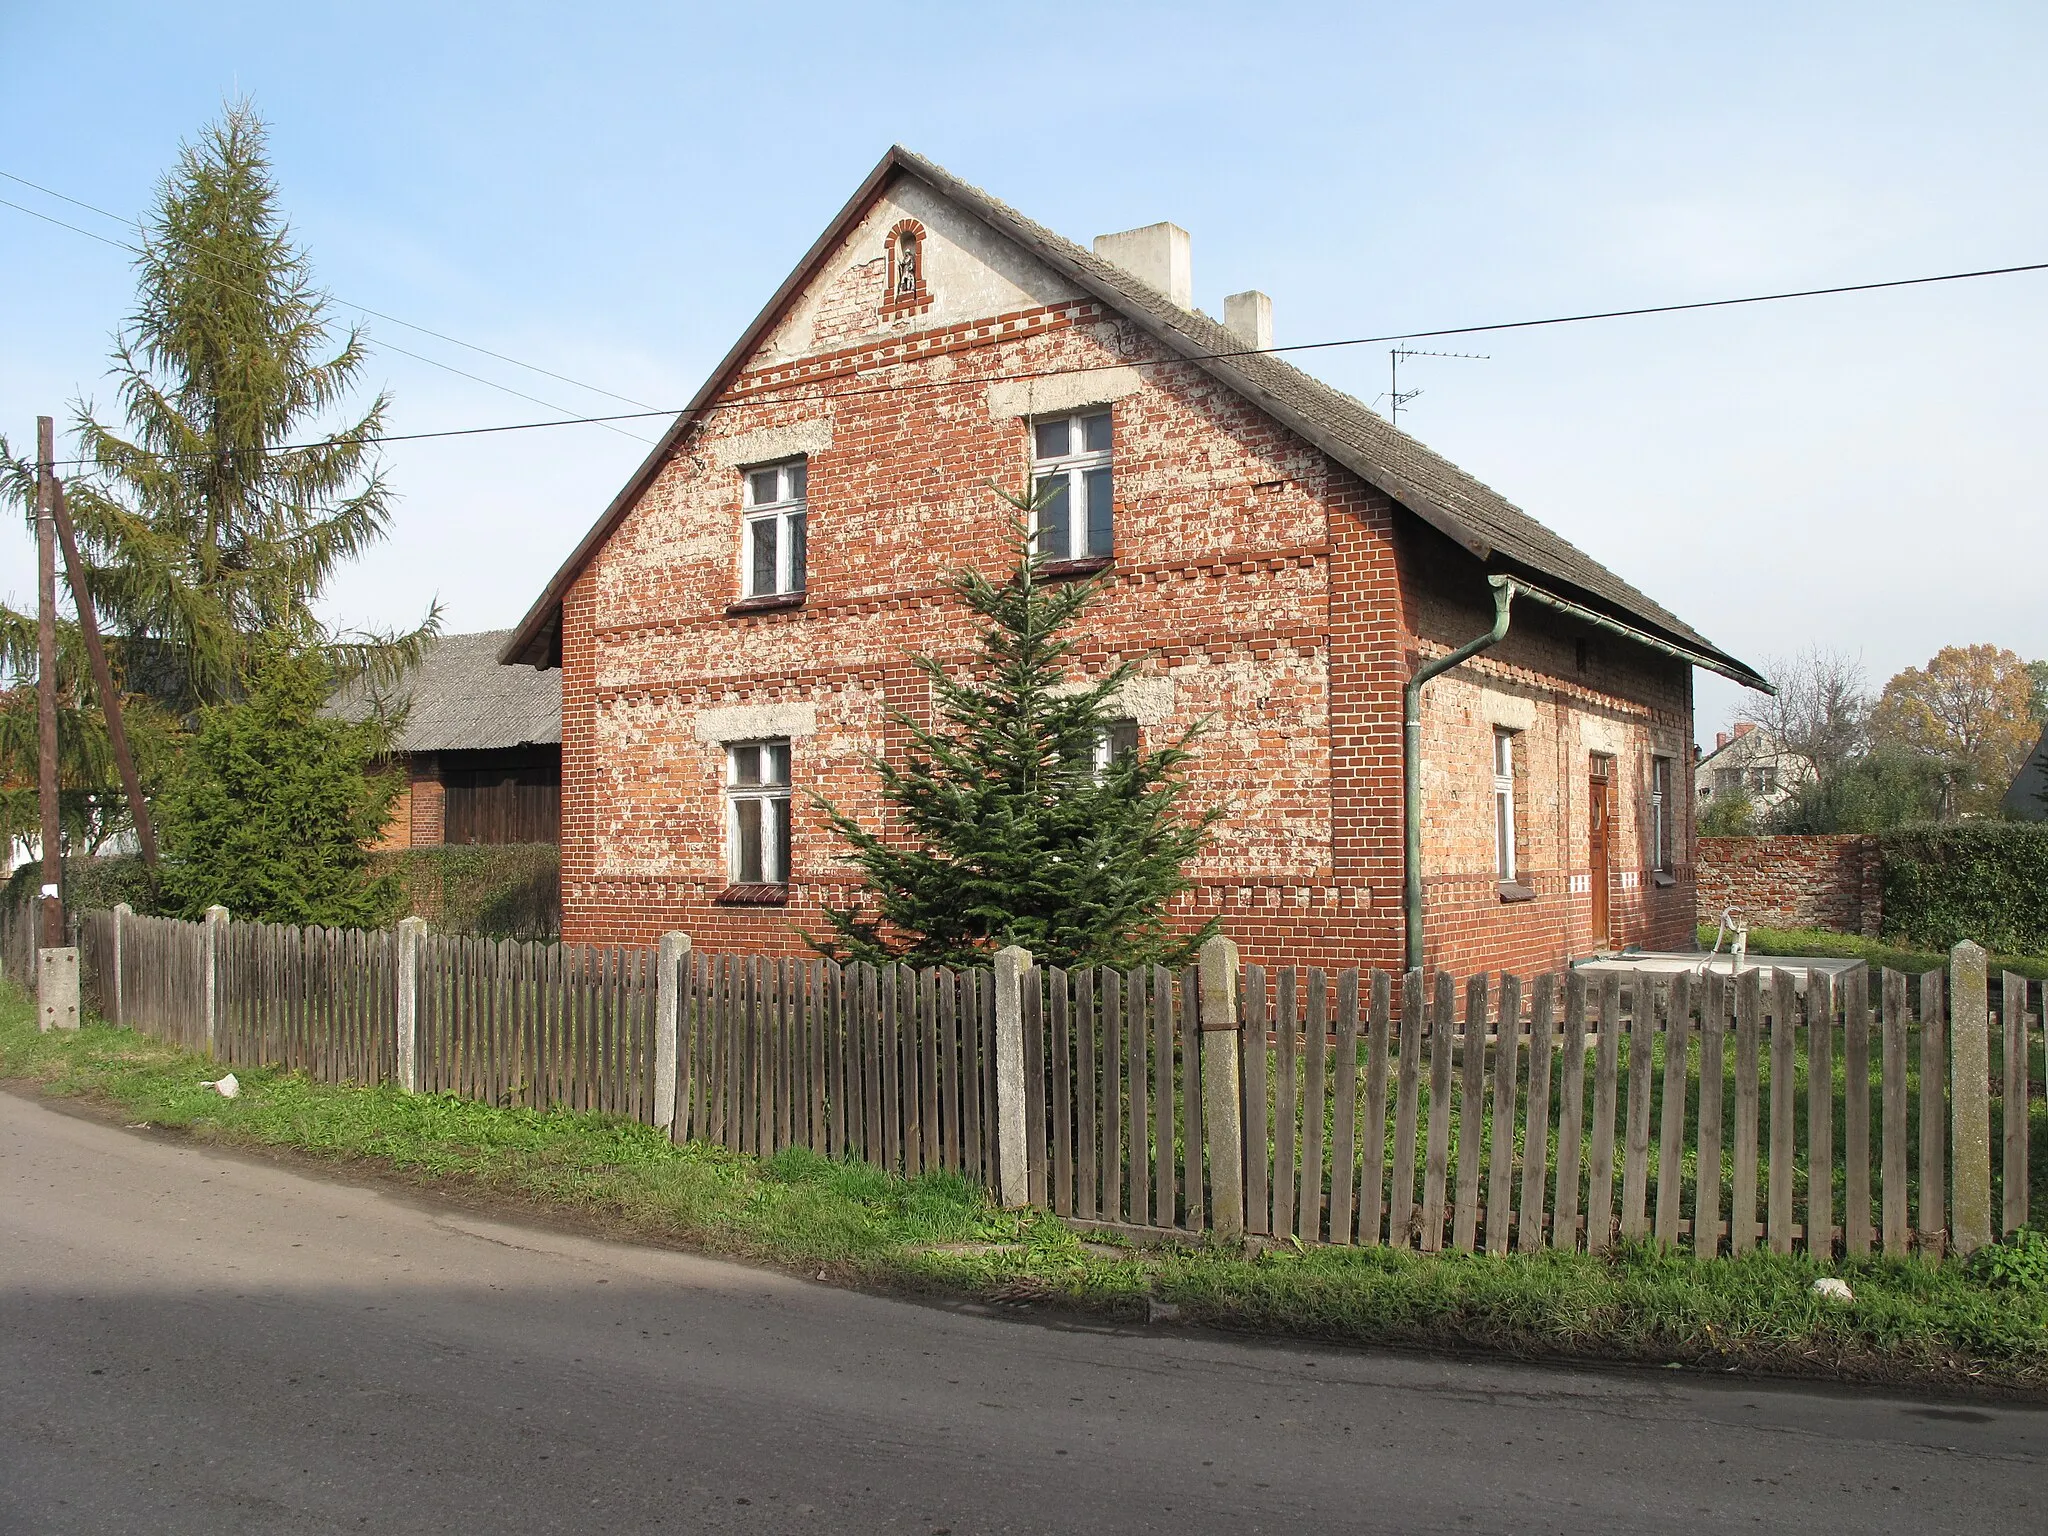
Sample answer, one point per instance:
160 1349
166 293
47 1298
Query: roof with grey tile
461 700
1484 522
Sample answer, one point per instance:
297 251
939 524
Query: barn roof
1489 526
462 700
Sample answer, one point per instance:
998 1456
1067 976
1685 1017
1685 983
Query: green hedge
89 884
507 891
1980 880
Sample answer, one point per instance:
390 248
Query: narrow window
1504 804
776 516
1660 814
757 802
1071 477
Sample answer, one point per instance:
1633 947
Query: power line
781 392
457 341
390 346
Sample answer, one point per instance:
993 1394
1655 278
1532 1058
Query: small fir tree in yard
275 807
1007 825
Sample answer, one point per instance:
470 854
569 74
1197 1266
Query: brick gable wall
1262 590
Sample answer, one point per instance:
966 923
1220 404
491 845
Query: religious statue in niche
906 265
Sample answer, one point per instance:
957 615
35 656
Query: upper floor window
1070 480
1660 814
1504 804
757 802
775 537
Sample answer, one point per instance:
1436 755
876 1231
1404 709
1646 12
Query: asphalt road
195 1341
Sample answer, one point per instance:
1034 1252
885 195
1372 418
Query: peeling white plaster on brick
1147 700
1517 712
749 722
771 443
1598 735
1061 392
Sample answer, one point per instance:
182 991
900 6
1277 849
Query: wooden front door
1599 836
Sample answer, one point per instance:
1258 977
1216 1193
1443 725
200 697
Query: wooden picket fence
1859 1113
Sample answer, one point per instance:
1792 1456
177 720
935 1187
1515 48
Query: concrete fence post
57 988
1970 1097
209 966
409 931
674 952
1012 965
1222 1095
122 912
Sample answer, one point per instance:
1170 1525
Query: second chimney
1157 254
1249 317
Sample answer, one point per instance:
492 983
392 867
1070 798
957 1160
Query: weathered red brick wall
1834 882
1264 593
426 800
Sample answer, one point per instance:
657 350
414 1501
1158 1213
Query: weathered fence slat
1820 1114
1671 1127
2013 1101
1784 1153
1287 1024
1344 1131
1529 1229
1314 1106
1373 1165
1894 1152
1437 1156
1471 1117
1742 1181
1571 1113
1649 1000
1934 1115
1507 1061
1259 1150
1606 1088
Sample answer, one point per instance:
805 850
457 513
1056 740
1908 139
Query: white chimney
1157 254
1249 317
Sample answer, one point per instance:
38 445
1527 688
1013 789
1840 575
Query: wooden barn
481 749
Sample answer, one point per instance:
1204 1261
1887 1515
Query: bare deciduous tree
1821 713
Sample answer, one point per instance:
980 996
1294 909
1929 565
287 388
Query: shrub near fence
1348 1108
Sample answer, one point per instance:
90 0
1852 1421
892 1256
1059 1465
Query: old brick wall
1257 586
425 801
1833 882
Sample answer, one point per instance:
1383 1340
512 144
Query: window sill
1068 570
1514 890
1659 878
774 602
753 896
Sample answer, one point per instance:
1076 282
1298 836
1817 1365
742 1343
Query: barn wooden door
1599 835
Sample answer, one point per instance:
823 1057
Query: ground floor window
757 812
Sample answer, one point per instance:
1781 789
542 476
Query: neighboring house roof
462 700
1484 522
2023 801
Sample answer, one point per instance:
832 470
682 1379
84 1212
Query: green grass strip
1911 1323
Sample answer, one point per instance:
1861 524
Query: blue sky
612 192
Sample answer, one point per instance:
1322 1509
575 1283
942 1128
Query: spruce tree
275 805
212 520
1004 825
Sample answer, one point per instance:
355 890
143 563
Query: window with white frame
1660 814
1504 803
1117 741
775 537
1070 478
757 812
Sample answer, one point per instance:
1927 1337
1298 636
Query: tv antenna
1396 399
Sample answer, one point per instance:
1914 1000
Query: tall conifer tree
1005 823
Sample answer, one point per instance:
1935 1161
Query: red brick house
736 627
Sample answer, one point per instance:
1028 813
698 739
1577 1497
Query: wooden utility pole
103 677
46 677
